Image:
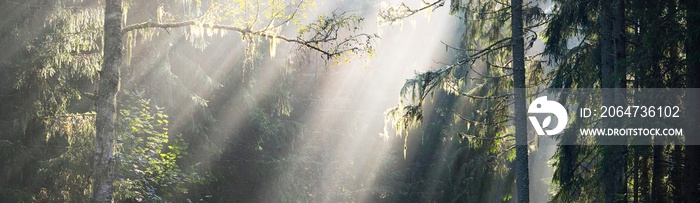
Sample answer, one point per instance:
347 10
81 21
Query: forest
349 100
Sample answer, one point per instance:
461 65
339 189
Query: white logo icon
542 106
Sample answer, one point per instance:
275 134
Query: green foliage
147 168
328 34
69 170
147 155
480 73
476 91
571 20
50 55
573 43
248 14
64 54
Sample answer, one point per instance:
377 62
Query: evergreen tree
484 97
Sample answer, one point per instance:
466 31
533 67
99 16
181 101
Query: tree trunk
105 102
657 183
521 157
677 174
655 80
620 82
620 46
613 166
644 179
635 184
692 151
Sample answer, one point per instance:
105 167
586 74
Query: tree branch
312 44
405 11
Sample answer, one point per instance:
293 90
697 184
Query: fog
268 122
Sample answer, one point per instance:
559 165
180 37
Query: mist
345 101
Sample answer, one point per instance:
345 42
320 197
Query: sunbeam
349 101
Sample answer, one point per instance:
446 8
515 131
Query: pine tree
487 92
651 63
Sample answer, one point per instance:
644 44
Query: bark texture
692 152
613 166
521 155
105 103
